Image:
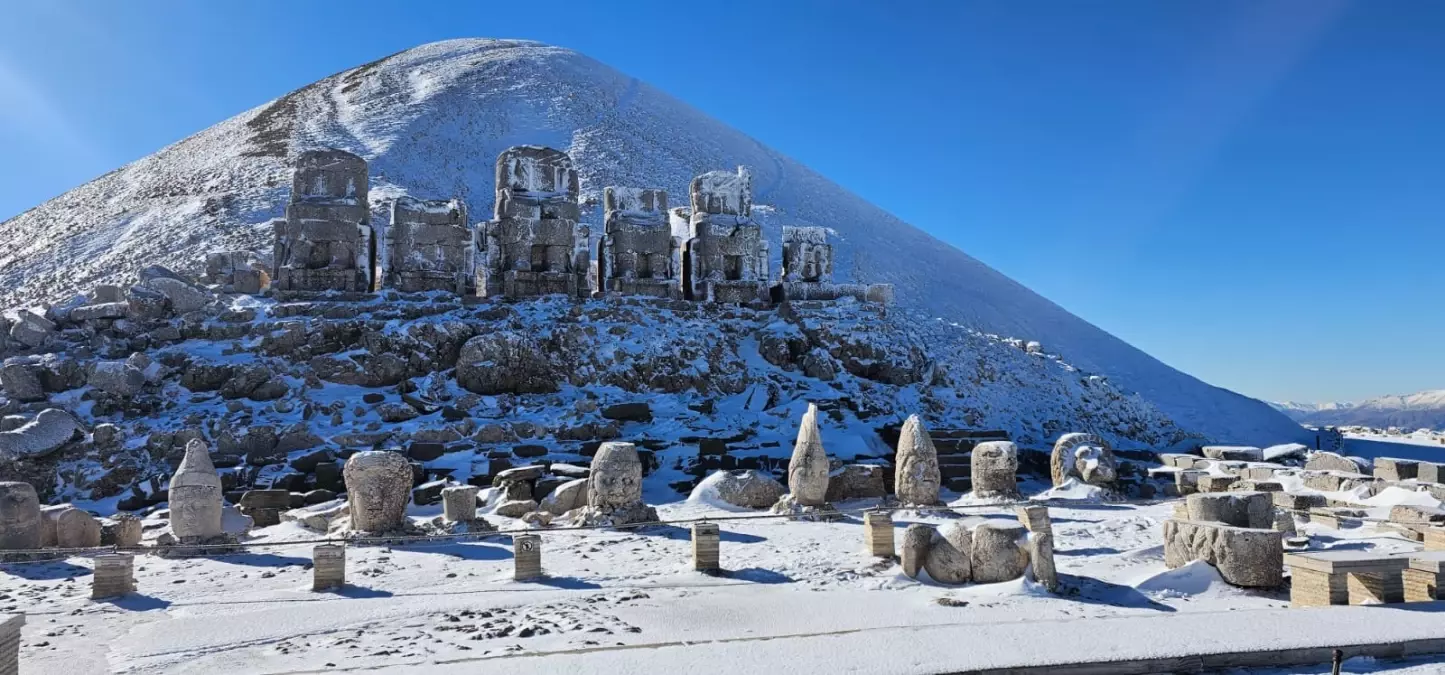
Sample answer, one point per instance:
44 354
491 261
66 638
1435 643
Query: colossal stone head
1085 456
616 479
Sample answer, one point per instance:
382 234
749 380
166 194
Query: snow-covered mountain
431 121
1421 410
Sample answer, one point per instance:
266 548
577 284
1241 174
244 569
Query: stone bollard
114 575
328 567
526 557
10 644
459 503
705 538
878 533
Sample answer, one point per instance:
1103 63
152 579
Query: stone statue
727 254
999 552
614 488
808 271
1084 456
995 467
378 487
916 477
430 246
807 472
322 243
535 246
195 496
638 254
19 517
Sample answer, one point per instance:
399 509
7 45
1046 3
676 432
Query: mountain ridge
431 121
1422 409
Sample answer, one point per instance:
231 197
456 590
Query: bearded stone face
1088 462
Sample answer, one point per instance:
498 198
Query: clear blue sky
1253 192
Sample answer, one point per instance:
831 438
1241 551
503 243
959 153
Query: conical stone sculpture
916 477
807 472
195 496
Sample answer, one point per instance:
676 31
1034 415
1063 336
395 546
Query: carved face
1088 461
615 488
13 511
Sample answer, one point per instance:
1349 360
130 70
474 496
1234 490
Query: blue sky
1254 192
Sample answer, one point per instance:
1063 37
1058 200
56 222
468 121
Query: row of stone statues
536 245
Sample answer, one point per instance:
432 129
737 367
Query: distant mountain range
1422 410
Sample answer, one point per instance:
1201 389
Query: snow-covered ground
608 592
1422 446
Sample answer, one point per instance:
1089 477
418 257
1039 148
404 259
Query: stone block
328 567
705 538
878 533
1240 509
1237 453
1297 502
114 575
459 503
1248 485
1244 556
526 557
1216 483
1041 560
1405 513
1390 468
1186 481
1430 472
1035 518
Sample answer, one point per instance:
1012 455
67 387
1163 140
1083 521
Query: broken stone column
19 517
195 496
995 467
727 255
1085 457
526 557
430 246
10 643
1240 509
917 540
705 538
807 472
1041 560
878 533
328 567
638 254
323 243
1035 518
122 530
997 552
916 476
378 487
808 271
949 559
459 503
535 246
114 575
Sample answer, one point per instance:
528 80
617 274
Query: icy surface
432 120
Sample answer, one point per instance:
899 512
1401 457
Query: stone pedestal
10 644
1345 577
328 567
526 557
1309 588
114 575
1422 579
878 533
1376 589
1435 539
705 538
1216 483
459 504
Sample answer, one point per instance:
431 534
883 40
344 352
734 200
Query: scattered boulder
568 496
117 377
184 296
949 554
628 412
504 362
146 304
746 488
20 378
48 432
195 496
515 508
31 329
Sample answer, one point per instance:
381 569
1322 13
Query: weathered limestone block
808 271
122 530
378 487
322 243
1186 481
20 377
1284 522
916 476
328 567
10 626
857 481
705 537
878 533
995 469
535 246
1085 456
195 496
1216 483
19 517
48 432
430 246
75 528
1041 560
114 575
1390 468
184 296
1297 502
1244 556
117 377
950 550
638 254
1035 518
1236 453
1329 461
1404 513
917 540
459 503
1256 486
567 496
727 253
808 469
998 553
31 329
748 489
1422 580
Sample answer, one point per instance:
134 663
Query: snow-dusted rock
949 559
1236 453
50 430
378 487
748 488
857 481
117 377
1286 451
122 529
184 296
567 496
31 329
19 516
995 467
1329 461
146 304
1085 456
913 551
916 475
504 362
195 496
318 517
515 508
1244 556
104 310
20 378
998 552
